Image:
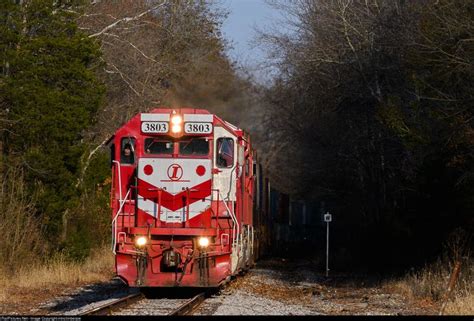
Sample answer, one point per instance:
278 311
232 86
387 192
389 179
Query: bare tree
158 53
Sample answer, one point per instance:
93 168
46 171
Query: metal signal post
327 219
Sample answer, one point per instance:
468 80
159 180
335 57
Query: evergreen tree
49 95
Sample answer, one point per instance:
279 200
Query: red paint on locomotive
182 199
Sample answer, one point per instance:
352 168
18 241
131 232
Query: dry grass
63 272
430 284
21 236
60 271
39 282
462 305
27 276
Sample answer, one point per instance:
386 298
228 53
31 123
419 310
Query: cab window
127 150
225 152
156 146
195 147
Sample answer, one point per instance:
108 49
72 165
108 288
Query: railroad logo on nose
175 172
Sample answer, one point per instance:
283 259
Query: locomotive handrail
114 221
234 219
252 238
231 180
159 191
119 177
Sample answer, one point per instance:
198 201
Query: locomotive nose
174 189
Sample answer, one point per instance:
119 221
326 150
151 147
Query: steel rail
189 306
107 308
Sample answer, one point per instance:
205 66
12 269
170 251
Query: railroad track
189 306
125 304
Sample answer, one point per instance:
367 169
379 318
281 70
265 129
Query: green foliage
50 94
88 220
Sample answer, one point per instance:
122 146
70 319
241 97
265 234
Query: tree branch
126 19
88 161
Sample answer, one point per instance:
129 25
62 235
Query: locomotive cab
180 210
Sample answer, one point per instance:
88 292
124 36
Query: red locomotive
182 199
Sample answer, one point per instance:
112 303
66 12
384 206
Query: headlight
176 119
176 128
140 241
203 242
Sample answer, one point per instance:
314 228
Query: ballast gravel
86 298
247 303
280 287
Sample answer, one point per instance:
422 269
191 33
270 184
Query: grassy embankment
50 277
431 284
27 269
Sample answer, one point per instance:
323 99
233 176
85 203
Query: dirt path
277 287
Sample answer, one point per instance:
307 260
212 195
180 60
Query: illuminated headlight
176 128
203 242
176 120
140 241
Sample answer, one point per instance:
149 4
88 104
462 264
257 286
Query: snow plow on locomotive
182 199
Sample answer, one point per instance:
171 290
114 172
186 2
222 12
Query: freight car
185 199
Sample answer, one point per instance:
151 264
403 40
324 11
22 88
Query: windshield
195 146
155 146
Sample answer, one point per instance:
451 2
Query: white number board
197 128
154 127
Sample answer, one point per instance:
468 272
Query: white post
327 219
327 249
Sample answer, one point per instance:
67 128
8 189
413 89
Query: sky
239 29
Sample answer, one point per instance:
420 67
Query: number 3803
194 128
154 127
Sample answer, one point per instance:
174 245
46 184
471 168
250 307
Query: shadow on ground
115 289
305 270
90 293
